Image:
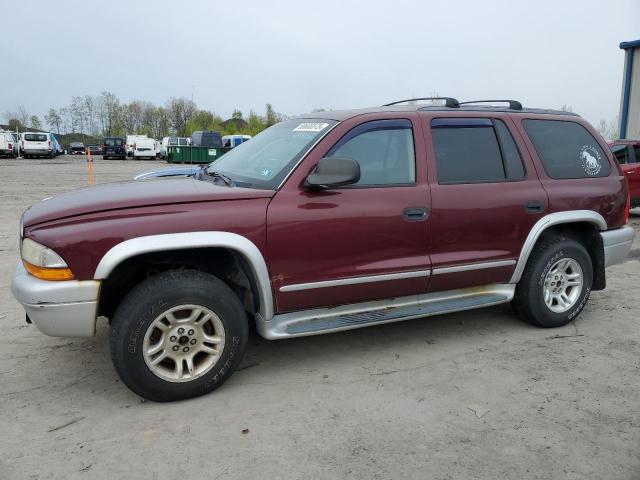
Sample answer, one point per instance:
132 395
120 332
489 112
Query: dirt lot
470 395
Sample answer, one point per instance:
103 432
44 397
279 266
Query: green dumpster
191 154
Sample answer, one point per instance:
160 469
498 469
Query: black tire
151 298
529 301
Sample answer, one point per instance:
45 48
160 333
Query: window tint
467 151
636 150
113 142
35 137
567 149
510 153
384 149
621 152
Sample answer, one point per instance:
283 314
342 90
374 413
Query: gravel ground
469 395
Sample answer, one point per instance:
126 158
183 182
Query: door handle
533 206
415 214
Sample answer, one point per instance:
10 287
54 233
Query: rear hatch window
113 142
35 137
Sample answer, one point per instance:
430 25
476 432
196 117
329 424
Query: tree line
105 115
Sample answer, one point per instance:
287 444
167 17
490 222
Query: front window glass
383 149
267 159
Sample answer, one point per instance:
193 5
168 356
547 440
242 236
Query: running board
347 317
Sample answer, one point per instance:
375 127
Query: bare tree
181 110
53 120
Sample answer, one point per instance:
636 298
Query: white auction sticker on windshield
311 127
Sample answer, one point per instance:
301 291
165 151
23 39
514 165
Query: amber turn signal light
44 273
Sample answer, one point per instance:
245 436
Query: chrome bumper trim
617 244
60 309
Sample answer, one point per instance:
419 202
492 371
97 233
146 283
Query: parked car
627 152
77 148
38 144
230 141
144 148
328 222
113 147
94 150
8 145
131 140
206 139
173 142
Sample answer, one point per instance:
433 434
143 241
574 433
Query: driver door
360 242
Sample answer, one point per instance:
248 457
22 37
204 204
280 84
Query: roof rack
448 101
513 104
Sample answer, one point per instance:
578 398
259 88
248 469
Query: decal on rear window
311 127
591 161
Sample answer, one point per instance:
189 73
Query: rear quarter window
567 149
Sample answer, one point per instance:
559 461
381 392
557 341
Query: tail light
10 146
135 146
49 143
627 207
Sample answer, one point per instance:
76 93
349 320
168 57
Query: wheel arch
575 219
248 253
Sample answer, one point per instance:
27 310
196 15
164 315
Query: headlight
44 263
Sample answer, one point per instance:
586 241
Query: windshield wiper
227 181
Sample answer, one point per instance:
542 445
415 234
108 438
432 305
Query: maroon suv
329 222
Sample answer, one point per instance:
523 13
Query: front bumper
60 309
617 244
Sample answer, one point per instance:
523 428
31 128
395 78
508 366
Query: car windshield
35 137
267 159
173 141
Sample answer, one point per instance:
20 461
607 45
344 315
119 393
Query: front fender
187 240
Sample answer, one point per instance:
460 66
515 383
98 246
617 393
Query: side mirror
333 172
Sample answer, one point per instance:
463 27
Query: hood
115 196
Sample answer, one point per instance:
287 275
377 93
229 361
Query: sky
303 55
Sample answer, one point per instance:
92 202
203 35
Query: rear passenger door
485 198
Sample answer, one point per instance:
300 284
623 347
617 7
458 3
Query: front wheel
177 335
556 283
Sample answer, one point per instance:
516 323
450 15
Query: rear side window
636 150
567 149
475 150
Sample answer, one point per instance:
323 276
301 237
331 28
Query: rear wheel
177 335
556 283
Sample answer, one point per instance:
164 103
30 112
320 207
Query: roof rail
513 104
448 101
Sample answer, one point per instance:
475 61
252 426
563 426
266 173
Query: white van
231 141
8 145
172 142
131 140
144 147
37 144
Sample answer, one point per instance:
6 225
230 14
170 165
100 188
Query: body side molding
547 221
355 280
180 241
